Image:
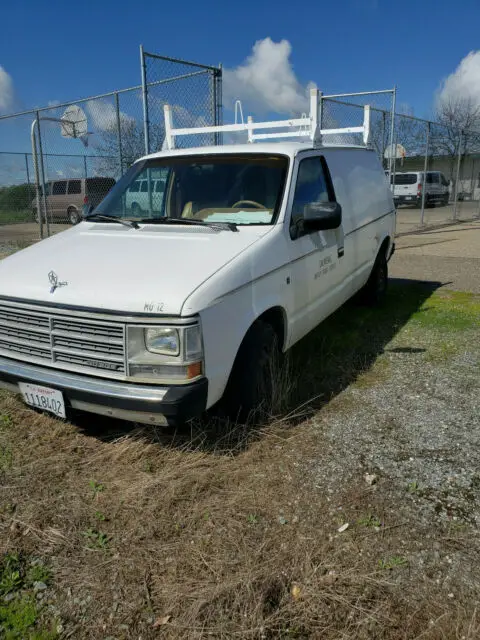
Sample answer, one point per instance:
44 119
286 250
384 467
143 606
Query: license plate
409 198
43 398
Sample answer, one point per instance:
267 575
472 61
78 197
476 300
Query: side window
144 186
433 178
135 187
312 186
74 186
59 188
443 180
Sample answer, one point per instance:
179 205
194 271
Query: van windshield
243 189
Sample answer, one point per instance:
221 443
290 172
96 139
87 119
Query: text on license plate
43 398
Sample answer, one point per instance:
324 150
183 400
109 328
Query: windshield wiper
101 218
222 226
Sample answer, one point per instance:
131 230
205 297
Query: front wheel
375 291
73 216
252 381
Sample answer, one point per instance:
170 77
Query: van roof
290 149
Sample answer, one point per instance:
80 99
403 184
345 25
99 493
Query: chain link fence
83 147
79 149
433 169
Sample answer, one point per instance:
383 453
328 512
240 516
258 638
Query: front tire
251 384
374 292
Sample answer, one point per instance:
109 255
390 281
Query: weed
392 562
5 420
96 487
100 516
6 458
148 466
96 539
413 487
38 573
369 521
252 518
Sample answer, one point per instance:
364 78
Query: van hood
109 267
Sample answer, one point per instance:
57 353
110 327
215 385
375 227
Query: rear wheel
251 383
73 216
375 291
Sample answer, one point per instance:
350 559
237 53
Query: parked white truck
155 319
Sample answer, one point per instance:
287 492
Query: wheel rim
73 217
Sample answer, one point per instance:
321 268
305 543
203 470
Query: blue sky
57 53
60 52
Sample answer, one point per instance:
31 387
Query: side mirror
318 216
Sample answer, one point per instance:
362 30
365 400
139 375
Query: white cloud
464 82
266 81
7 94
103 115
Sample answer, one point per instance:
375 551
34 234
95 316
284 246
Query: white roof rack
306 126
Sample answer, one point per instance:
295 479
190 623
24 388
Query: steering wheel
255 204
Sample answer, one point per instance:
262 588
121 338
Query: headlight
165 354
164 340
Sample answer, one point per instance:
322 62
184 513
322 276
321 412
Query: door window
74 186
59 188
312 186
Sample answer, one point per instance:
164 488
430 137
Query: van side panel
367 207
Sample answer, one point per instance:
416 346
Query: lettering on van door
325 265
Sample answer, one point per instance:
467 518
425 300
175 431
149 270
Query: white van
157 319
137 196
409 185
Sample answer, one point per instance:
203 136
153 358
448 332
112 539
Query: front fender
226 322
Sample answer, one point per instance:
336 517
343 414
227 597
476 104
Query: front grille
63 342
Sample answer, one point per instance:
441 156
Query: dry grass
221 533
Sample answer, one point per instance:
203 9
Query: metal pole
215 107
85 171
37 178
28 175
119 134
392 131
384 131
146 122
42 175
457 177
425 167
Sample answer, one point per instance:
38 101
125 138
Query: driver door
317 265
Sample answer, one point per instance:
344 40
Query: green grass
12 217
449 311
21 616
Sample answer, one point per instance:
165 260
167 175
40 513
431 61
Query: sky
271 50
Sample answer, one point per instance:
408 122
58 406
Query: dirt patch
213 532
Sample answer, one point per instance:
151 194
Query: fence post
28 175
42 172
119 133
146 122
425 167
457 176
37 177
85 166
392 133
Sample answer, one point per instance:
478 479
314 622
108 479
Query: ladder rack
304 127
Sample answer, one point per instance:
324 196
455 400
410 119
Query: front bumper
148 404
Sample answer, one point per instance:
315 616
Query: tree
458 130
132 145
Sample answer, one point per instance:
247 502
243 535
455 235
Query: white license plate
43 398
409 198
